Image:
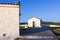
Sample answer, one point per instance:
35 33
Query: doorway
33 23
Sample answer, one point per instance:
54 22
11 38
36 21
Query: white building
9 19
23 25
34 22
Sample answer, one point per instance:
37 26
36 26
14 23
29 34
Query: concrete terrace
42 34
43 31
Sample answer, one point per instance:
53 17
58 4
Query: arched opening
33 23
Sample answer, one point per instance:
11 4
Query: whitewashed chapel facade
9 19
34 22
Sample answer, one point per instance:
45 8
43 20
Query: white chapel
34 22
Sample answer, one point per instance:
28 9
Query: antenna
19 2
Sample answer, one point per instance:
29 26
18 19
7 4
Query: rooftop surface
10 5
14 3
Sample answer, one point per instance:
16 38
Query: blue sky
9 1
47 10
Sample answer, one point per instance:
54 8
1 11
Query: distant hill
52 23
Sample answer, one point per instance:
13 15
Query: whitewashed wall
9 20
37 22
54 25
24 25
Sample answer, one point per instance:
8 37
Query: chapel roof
34 17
